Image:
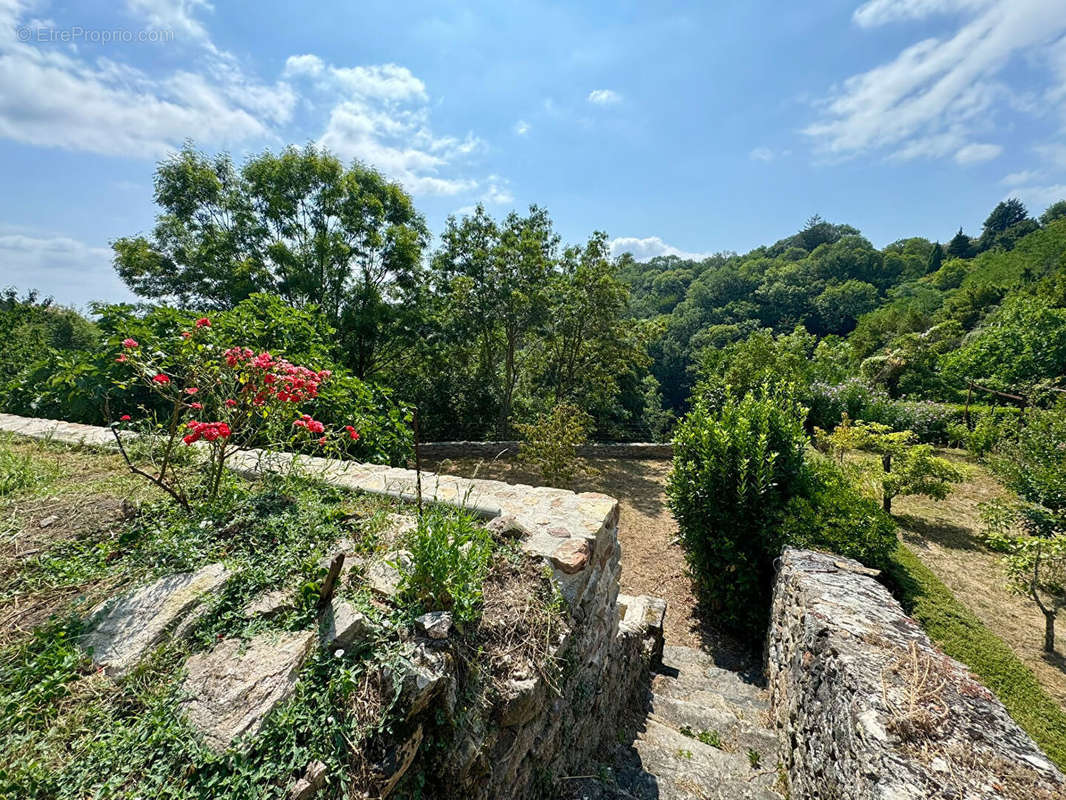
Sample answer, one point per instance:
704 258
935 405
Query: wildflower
124 418
338 653
129 344
231 402
203 322
161 379
121 358
185 334
191 390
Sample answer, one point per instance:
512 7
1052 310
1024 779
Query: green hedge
960 634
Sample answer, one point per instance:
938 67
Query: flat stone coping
548 514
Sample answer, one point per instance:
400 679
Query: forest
500 322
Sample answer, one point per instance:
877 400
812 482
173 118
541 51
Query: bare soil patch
944 535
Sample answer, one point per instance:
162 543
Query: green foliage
736 465
297 224
20 471
550 443
906 468
957 630
831 514
449 558
30 327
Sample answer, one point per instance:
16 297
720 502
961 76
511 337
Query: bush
736 465
833 515
550 443
449 558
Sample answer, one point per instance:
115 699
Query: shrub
227 400
449 558
736 465
550 443
833 515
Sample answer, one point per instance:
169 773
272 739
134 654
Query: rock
48 521
314 778
397 762
232 688
397 526
435 624
572 555
520 701
423 674
343 625
267 605
384 575
507 527
123 629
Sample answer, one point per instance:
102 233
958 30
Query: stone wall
537 730
491 450
868 708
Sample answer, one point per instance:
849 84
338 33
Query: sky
677 128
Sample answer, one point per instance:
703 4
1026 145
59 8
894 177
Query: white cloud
648 248
521 127
67 269
1037 198
937 95
380 114
497 192
52 97
880 12
762 154
604 97
1022 177
976 153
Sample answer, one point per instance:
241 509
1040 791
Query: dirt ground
652 560
943 534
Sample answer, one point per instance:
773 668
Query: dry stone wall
541 727
870 710
491 450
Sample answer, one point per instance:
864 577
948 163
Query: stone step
689 674
738 730
685 768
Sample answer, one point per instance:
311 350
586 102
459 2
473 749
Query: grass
960 634
68 731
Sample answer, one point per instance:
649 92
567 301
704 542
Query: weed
754 757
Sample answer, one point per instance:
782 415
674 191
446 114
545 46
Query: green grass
960 634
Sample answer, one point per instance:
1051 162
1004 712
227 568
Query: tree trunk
886 503
1049 631
886 499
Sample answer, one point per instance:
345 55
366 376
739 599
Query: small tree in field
1036 568
907 467
221 400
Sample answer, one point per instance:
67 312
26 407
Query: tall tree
960 246
496 276
936 259
297 224
1007 223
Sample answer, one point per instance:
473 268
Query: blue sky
676 127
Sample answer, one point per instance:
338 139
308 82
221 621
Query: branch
138 471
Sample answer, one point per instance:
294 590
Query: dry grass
944 535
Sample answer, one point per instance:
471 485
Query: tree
1032 527
960 246
906 468
1054 211
1007 223
936 258
586 341
841 305
297 224
497 277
